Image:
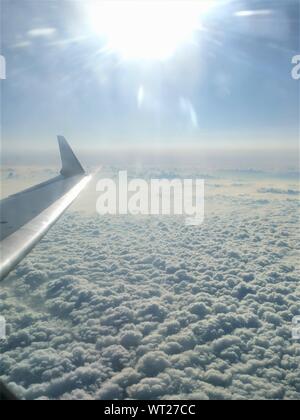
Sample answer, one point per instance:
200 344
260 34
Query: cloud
21 45
131 339
153 363
41 32
278 191
150 308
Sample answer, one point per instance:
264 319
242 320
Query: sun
146 30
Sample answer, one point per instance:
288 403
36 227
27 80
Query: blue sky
228 85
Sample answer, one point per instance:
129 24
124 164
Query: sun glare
148 30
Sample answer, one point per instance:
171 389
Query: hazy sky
104 75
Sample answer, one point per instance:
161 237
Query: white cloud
21 44
41 32
150 308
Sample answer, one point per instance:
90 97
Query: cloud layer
114 308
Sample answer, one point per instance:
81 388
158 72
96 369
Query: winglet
70 164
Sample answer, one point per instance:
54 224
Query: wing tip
70 164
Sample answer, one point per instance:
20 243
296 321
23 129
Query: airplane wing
26 217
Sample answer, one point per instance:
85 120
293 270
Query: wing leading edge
26 217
